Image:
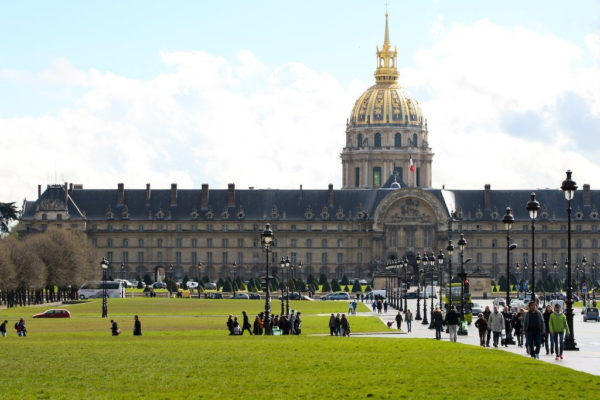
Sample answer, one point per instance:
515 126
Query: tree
356 287
147 279
185 281
502 283
345 280
368 289
227 287
346 288
310 279
326 287
322 279
8 213
335 286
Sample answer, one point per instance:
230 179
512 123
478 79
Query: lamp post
282 284
450 250
234 267
199 268
287 285
593 286
423 280
266 239
555 270
440 259
462 243
104 264
122 270
508 221
544 280
405 264
525 267
418 260
299 288
583 264
569 187
533 207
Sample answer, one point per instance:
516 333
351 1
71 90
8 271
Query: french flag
412 166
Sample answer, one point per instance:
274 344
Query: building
386 209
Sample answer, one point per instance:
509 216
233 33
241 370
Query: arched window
377 177
414 141
378 139
359 141
398 140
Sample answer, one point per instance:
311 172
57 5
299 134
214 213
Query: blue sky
61 62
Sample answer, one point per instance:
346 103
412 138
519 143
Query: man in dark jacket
534 328
246 324
137 326
114 328
230 324
438 322
399 320
486 315
451 321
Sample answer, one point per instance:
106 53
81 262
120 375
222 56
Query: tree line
45 267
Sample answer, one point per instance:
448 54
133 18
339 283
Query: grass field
185 353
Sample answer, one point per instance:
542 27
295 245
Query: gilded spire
386 71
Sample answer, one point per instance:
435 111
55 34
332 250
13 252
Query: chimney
205 196
66 193
587 195
70 187
39 191
331 194
78 186
301 193
487 196
173 194
231 195
120 194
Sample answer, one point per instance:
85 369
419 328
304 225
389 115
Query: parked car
410 295
476 308
214 295
254 296
241 296
159 285
292 296
337 296
126 283
591 313
54 313
363 282
210 286
191 285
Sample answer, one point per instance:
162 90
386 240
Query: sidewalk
587 336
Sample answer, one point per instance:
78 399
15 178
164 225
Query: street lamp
282 284
234 266
104 264
508 221
122 270
593 288
462 243
583 264
544 280
555 268
405 264
569 187
199 279
424 278
418 260
287 285
450 250
440 259
266 239
533 207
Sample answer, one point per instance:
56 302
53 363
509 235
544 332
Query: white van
499 302
381 293
93 289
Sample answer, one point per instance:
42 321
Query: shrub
356 287
346 288
326 287
310 279
345 280
335 286
147 279
322 279
227 287
368 288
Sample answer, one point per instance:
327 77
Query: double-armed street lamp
450 251
233 283
593 286
285 289
266 239
533 207
104 264
569 187
508 221
462 244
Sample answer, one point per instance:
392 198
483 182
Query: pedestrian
261 323
345 326
349 308
482 325
496 323
379 306
558 326
438 322
507 324
517 323
114 328
3 328
297 322
534 327
332 330
451 321
374 306
246 324
354 305
230 324
409 318
399 320
486 315
338 325
20 327
546 315
255 325
137 326
292 323
385 306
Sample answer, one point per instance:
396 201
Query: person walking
137 326
557 326
297 322
533 325
21 328
385 306
496 323
517 324
409 318
338 326
332 330
292 322
114 328
398 320
374 306
354 305
345 326
379 306
246 324
482 326
230 324
546 315
3 328
486 315
451 321
438 322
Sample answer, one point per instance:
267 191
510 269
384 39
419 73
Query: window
494 243
209 242
125 228
525 257
308 227
209 227
178 227
178 258
377 176
224 257
525 243
224 242
159 243
525 228
255 258
309 243
125 243
140 258
194 242
324 243
293 228
494 259
240 257
563 243
324 258
427 238
159 257
109 243
594 243
563 228
356 177
398 140
109 227
377 139
359 258
578 243
240 243
479 258
194 257
340 243
159 228
360 242
44 217
141 228
294 259
109 256
398 173
59 217
415 141
478 243
578 228
308 258
194 227
410 238
544 243
340 258
359 141
418 176
178 243
340 228
224 228
293 243
393 238
140 242
324 227
95 242
125 257
209 258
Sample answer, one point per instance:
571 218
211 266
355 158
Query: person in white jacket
496 324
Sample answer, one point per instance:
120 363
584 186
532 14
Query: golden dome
386 102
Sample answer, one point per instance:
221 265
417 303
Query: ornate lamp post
593 286
544 266
424 278
508 221
233 283
199 278
583 264
418 260
288 265
569 187
405 264
440 259
462 243
533 207
266 239
299 288
282 284
450 250
104 264
122 270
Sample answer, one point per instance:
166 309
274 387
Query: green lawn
185 353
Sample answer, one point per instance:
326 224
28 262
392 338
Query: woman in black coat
438 322
137 326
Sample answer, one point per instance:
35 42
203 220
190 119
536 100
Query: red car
54 313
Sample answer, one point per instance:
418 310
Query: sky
258 93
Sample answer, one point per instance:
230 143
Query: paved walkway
587 336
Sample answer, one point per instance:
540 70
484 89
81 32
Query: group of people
408 317
19 327
339 325
137 327
286 324
379 304
547 329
